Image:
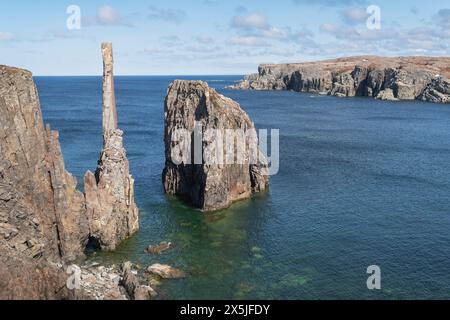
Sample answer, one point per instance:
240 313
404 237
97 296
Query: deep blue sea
361 182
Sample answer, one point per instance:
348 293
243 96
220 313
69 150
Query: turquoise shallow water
361 182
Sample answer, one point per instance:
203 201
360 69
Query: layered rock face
402 78
111 209
45 223
209 185
42 215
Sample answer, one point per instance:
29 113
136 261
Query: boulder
165 271
386 94
158 249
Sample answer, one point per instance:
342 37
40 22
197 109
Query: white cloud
330 3
108 15
247 41
105 16
204 39
6 36
430 40
329 27
275 33
203 49
254 29
443 18
355 15
250 21
153 51
170 41
169 15
414 10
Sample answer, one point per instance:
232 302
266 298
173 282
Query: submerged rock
400 78
111 209
225 164
166 271
158 249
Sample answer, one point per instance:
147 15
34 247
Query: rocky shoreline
127 281
400 78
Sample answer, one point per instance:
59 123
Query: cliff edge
399 78
42 215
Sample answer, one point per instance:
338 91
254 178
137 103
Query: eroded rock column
111 209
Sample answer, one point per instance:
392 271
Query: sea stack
210 185
111 209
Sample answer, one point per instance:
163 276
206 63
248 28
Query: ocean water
361 182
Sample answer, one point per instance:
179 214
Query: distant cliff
401 78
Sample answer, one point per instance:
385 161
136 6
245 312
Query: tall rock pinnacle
112 212
109 99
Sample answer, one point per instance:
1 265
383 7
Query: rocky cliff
401 78
212 183
42 215
112 211
45 223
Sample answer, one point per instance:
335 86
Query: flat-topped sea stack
225 164
397 78
112 211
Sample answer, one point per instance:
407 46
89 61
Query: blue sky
211 36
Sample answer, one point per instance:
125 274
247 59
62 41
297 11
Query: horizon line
136 75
